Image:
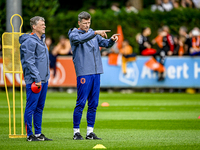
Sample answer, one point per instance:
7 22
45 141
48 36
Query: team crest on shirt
82 80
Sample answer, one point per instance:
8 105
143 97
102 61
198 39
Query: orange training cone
105 104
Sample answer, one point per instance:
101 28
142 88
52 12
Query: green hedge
131 23
60 23
2 17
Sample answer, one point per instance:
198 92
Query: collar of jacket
37 38
83 31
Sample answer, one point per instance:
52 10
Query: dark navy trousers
88 88
34 108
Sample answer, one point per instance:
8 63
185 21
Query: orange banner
65 74
154 65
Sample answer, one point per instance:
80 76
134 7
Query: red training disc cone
35 88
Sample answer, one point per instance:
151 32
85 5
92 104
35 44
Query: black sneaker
92 136
43 138
32 138
77 136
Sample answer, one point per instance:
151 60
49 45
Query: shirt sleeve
29 57
105 42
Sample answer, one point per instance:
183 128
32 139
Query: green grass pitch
132 121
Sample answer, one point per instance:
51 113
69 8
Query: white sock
89 130
37 135
76 130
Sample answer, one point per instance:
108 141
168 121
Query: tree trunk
138 4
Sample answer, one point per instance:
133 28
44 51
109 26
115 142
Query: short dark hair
144 28
165 27
84 15
126 41
62 37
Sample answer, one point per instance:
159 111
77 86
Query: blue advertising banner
181 72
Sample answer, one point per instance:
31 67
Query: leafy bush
2 17
59 22
131 23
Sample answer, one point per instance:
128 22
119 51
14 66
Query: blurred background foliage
60 16
2 16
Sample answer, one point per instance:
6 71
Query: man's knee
80 106
93 106
39 109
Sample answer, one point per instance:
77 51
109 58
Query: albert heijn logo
132 75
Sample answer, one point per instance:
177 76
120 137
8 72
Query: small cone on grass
105 104
99 146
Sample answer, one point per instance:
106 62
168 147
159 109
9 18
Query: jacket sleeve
28 48
105 42
77 38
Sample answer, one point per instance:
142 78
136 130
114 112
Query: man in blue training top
85 44
35 63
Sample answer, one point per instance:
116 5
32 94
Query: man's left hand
38 84
115 37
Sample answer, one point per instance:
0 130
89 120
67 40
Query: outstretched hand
115 37
102 32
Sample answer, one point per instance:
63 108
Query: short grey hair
34 20
84 15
